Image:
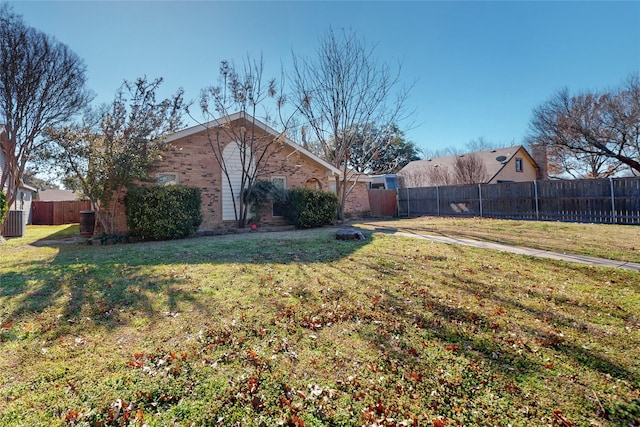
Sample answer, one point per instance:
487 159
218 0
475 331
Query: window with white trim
519 166
279 208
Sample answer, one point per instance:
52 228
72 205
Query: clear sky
480 67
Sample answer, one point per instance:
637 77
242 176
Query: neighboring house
384 182
190 161
511 164
25 192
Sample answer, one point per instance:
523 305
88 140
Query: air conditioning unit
15 225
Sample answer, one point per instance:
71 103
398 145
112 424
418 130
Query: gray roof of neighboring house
50 195
494 160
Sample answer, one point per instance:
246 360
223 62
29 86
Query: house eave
241 115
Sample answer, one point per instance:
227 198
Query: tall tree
30 177
391 151
118 145
563 162
596 132
243 90
342 87
42 85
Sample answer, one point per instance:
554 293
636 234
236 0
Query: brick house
190 160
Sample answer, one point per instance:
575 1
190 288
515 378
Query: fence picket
613 200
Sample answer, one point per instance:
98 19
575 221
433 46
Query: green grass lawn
300 329
617 242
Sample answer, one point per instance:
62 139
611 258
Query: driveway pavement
599 262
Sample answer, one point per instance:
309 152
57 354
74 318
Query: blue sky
479 67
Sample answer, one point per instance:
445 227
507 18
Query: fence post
480 198
438 200
535 194
408 205
614 217
397 190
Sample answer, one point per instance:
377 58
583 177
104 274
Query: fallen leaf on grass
414 376
72 416
7 325
252 384
452 347
560 418
295 422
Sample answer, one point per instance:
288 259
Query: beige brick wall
358 202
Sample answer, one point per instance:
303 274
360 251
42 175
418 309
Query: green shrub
307 208
163 212
263 193
3 207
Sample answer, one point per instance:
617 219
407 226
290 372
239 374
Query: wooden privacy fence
611 201
383 203
57 213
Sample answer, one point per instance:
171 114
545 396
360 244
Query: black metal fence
611 201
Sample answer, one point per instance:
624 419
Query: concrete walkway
598 262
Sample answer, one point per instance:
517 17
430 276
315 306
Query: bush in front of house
3 207
307 208
262 194
163 212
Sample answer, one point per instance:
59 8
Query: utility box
16 225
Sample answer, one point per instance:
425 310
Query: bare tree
345 86
459 169
440 175
469 169
42 85
563 162
242 90
479 144
413 178
593 132
118 145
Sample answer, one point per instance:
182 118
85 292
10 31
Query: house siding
509 172
357 204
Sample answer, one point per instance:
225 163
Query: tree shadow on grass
109 284
554 319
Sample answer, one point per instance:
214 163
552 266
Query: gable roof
241 115
493 160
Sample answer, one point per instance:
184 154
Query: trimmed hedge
3 207
163 212
307 208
